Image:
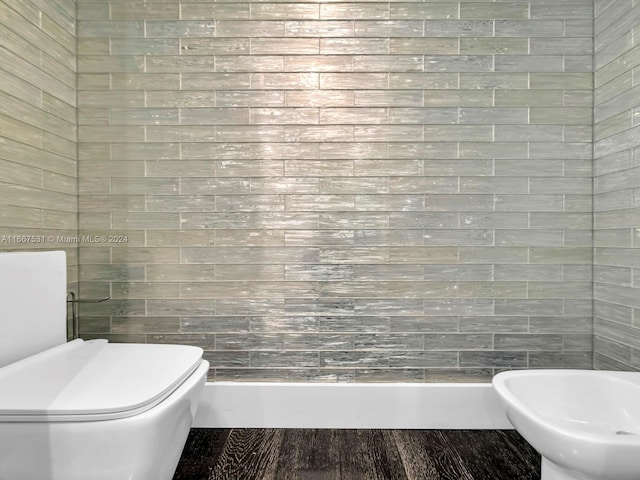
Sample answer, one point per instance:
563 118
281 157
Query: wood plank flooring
312 454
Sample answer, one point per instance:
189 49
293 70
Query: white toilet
84 410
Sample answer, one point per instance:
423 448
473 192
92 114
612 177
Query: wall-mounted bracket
71 299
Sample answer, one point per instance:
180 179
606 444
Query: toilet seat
93 380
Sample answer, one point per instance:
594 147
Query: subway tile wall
340 191
616 185
38 185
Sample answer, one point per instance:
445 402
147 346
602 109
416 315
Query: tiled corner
616 148
38 160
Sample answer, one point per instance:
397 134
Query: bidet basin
584 423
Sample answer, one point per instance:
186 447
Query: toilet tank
33 308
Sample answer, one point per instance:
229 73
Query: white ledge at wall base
348 405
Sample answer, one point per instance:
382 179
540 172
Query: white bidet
584 423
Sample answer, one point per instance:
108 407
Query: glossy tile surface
617 57
38 159
329 191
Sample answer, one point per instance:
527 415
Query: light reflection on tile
337 192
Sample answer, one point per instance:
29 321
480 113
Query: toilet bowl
84 410
584 423
98 411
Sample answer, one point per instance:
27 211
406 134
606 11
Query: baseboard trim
369 405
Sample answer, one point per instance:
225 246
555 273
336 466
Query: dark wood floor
292 454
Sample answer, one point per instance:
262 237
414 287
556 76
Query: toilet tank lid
90 380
